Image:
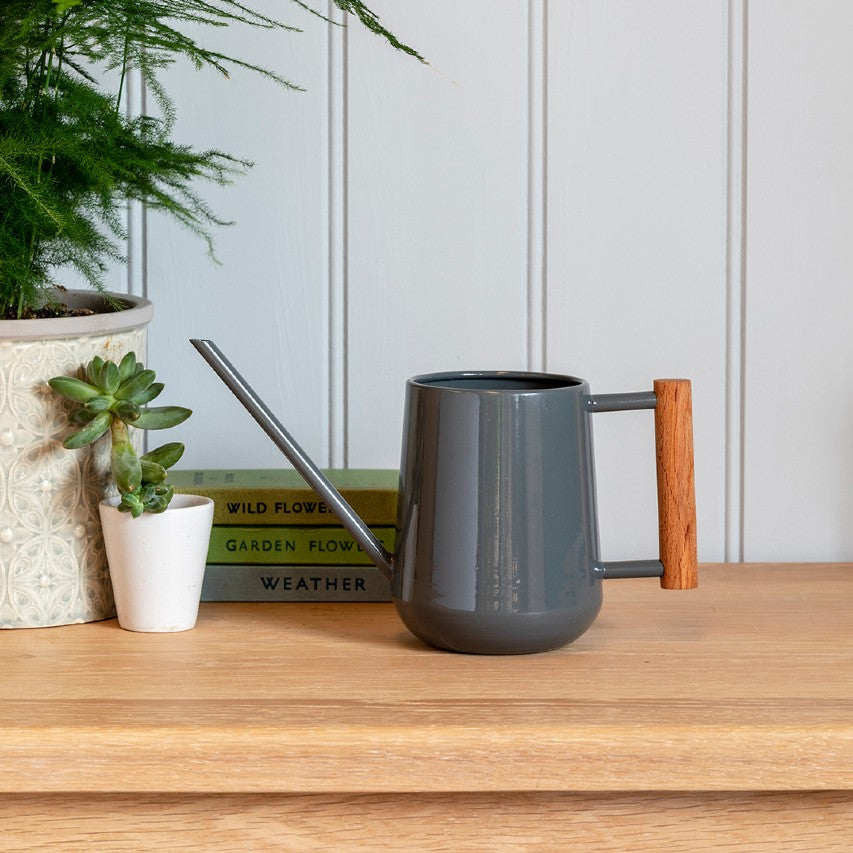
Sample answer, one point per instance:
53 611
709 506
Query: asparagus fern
70 158
113 398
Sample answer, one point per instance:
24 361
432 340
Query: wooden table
680 721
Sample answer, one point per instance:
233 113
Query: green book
294 583
282 497
294 545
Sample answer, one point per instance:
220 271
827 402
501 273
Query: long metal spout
296 455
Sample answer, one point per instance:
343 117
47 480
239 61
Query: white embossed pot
53 568
157 562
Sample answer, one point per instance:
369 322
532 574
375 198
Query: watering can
497 546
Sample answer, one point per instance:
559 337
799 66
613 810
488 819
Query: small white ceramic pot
157 562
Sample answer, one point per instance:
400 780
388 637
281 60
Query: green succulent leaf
166 455
160 499
80 417
135 385
73 389
152 472
150 393
127 410
99 404
131 503
102 376
127 366
110 378
99 424
93 371
162 417
149 498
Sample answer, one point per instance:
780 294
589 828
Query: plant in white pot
156 542
71 159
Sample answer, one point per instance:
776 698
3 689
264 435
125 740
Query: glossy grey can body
497 536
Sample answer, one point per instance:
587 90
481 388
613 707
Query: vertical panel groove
337 239
137 249
736 188
537 90
136 252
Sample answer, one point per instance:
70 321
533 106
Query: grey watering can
497 546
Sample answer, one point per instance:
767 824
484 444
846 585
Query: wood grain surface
676 483
743 684
511 821
714 719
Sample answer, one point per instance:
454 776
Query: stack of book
274 539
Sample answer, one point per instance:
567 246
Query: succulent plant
114 397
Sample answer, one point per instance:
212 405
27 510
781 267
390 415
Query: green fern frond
70 159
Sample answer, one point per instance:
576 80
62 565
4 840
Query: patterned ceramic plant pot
53 568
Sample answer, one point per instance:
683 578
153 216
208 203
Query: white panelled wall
616 189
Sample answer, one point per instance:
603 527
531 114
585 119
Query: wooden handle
676 488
